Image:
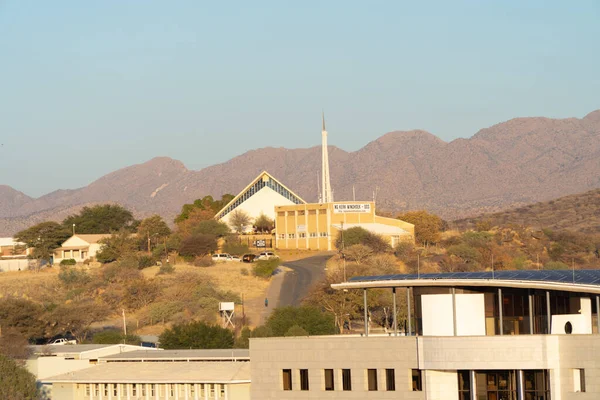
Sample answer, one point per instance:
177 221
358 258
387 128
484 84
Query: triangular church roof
257 184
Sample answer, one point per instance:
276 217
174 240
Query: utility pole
343 248
124 323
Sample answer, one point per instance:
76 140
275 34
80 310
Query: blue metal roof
581 277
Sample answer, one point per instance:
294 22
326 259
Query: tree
264 223
427 226
359 235
152 228
296 330
76 318
16 383
207 203
23 316
187 225
239 219
198 245
464 252
212 227
116 246
312 319
14 345
358 252
140 293
196 335
103 218
44 238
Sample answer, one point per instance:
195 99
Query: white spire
326 193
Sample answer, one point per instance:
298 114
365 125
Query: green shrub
68 261
166 269
265 268
296 330
556 265
235 248
146 261
196 335
72 276
112 336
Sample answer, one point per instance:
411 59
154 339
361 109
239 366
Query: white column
187 396
147 391
318 232
409 313
548 312
473 385
176 392
128 389
328 211
285 215
520 383
196 388
454 310
296 228
306 232
206 390
226 391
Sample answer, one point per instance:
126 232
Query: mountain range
510 164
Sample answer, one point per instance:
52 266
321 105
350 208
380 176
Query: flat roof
55 349
181 355
197 372
584 281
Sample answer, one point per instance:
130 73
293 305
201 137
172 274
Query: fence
16 265
254 243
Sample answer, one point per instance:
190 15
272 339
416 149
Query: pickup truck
62 341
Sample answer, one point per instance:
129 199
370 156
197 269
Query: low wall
15 265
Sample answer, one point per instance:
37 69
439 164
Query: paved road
303 275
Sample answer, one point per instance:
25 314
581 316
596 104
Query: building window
302 235
417 382
301 213
291 235
134 389
96 390
329 382
172 390
212 390
143 387
390 380
115 390
346 379
313 234
153 390
464 385
372 379
287 379
323 234
282 236
303 379
222 391
202 390
123 389
88 390
579 380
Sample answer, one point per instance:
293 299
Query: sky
90 87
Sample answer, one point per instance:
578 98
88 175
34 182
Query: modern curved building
506 335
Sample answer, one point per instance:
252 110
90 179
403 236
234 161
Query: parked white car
221 257
267 255
62 341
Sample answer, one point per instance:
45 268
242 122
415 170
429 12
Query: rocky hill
514 163
578 212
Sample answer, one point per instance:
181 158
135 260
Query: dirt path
256 312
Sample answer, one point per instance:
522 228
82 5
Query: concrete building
159 375
79 248
260 197
10 248
508 335
316 226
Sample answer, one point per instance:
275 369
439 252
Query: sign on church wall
342 208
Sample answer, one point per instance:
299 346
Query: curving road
297 283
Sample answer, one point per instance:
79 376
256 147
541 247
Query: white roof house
260 197
79 247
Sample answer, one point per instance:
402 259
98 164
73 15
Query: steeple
327 195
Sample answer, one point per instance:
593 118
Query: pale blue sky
87 87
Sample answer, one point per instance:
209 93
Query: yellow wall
309 226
